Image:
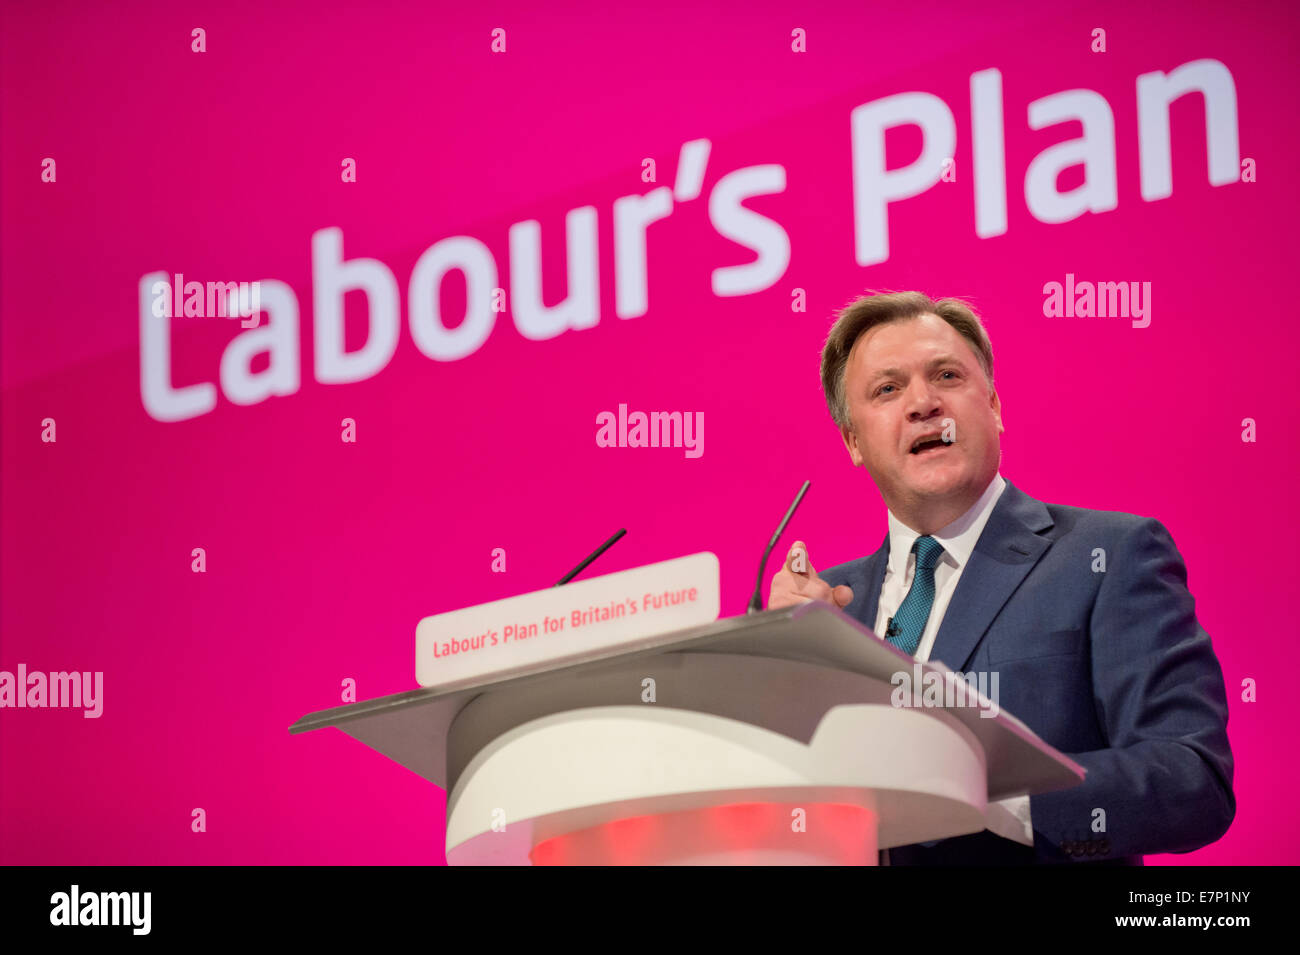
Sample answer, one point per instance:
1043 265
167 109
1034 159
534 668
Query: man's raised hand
797 582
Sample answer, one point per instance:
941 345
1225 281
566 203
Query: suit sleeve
1165 782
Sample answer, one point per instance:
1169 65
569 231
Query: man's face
913 379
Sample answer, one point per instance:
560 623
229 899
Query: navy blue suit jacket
1109 666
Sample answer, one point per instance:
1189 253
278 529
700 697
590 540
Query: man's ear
851 445
996 404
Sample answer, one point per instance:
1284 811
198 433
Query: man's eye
949 372
881 389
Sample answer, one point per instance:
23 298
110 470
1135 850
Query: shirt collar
958 538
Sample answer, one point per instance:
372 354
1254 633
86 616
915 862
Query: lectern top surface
411 727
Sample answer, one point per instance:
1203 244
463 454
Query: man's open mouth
929 444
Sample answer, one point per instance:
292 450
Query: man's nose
922 401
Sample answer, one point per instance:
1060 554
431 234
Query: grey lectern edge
412 727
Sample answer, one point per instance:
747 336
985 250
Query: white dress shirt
1008 818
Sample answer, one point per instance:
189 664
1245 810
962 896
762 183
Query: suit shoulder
1120 524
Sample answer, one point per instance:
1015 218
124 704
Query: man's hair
864 314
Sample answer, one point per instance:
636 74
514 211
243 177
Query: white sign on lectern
550 626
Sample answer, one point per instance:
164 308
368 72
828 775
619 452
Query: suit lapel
1007 550
874 572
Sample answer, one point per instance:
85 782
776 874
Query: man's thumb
843 595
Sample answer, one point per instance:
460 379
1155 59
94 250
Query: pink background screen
322 555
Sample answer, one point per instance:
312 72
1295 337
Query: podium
773 738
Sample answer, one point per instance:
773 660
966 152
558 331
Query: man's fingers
797 582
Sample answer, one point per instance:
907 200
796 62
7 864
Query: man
1084 615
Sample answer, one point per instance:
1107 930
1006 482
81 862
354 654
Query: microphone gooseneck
756 601
598 551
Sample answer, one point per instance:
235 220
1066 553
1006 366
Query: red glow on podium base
732 834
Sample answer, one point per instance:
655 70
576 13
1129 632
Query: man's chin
936 483
919 480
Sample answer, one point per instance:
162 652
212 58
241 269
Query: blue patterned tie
915 611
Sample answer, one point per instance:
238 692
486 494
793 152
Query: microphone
756 601
892 629
599 550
